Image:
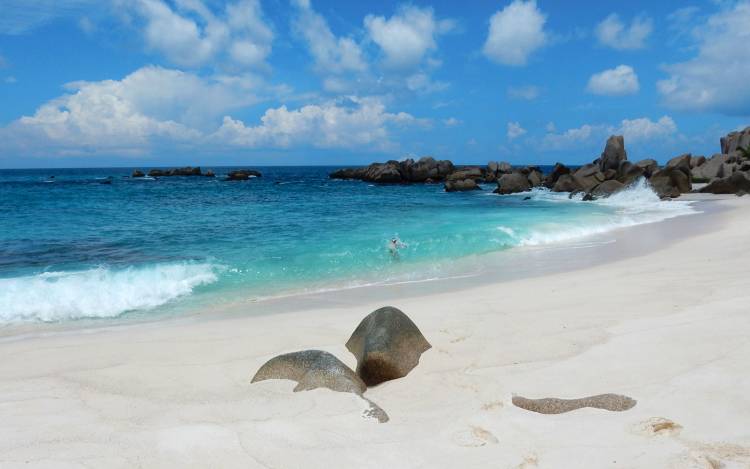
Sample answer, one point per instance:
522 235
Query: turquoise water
73 247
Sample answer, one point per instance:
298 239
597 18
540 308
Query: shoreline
668 329
518 262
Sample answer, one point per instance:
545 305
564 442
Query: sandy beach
668 328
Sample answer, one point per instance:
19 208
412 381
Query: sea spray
99 292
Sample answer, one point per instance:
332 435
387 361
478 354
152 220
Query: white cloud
715 80
526 92
408 36
150 104
618 81
192 35
550 127
644 129
612 32
360 121
451 122
11 80
331 54
635 131
515 130
515 33
569 138
422 83
22 16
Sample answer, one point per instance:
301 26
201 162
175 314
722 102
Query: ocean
95 243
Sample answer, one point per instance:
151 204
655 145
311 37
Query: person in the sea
394 245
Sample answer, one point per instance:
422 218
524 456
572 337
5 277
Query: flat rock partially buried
387 345
312 369
553 405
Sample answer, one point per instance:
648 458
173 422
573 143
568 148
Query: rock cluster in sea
238 175
727 172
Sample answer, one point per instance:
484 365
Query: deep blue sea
75 247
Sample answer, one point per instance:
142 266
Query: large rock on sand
737 183
387 345
614 153
670 182
312 369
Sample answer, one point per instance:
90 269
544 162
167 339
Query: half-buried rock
313 369
553 405
387 345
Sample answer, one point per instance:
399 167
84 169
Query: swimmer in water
394 245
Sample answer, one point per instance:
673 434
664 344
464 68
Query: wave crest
98 293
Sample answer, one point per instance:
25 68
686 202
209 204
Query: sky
87 83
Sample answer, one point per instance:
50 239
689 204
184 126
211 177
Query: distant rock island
727 172
237 175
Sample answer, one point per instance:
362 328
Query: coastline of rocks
727 172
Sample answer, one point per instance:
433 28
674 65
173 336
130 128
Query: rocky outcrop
242 175
718 166
588 177
138 174
312 369
614 152
733 141
495 169
670 182
513 183
649 166
558 170
681 162
607 188
387 345
210 174
186 171
472 172
628 173
737 183
461 185
426 169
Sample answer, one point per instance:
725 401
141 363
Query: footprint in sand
553 405
657 426
474 437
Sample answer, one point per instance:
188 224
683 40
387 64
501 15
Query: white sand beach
669 328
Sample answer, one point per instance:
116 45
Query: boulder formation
387 345
738 183
734 141
426 169
461 185
242 175
138 174
614 152
513 183
186 171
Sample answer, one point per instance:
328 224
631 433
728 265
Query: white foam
635 205
98 293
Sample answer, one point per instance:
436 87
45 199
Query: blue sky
163 82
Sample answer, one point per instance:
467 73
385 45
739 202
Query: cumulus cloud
515 33
526 92
331 54
635 131
612 32
192 35
514 130
408 36
644 129
351 124
150 104
715 80
617 81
